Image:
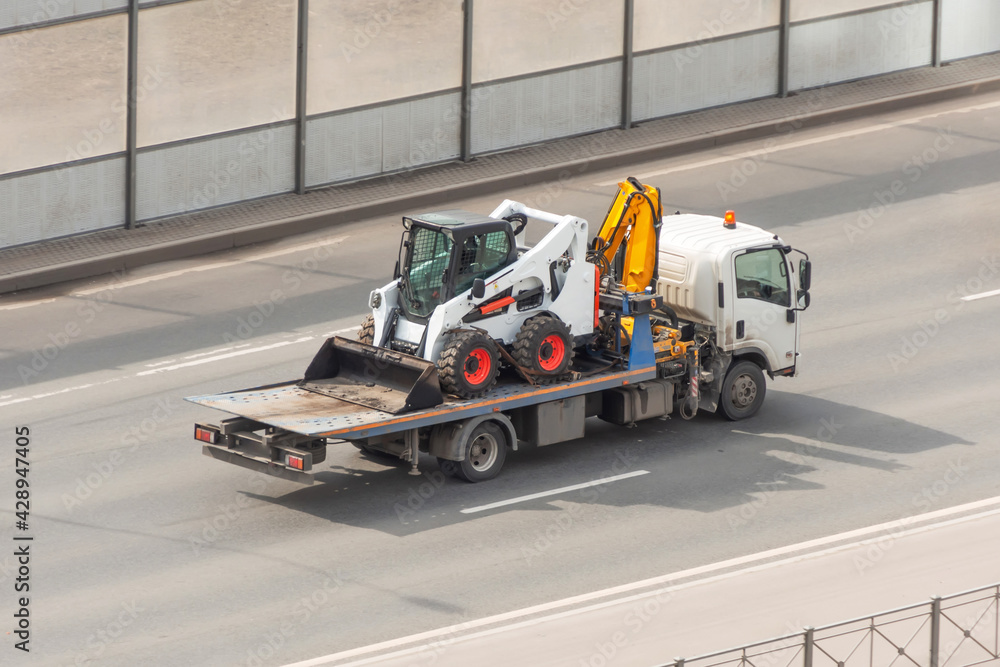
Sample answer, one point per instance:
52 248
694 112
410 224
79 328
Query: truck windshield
423 269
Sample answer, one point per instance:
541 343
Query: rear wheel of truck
367 332
484 455
448 467
742 391
543 345
469 364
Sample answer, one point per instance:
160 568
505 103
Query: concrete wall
216 106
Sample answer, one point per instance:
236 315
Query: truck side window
762 274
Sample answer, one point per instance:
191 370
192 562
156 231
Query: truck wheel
448 467
378 454
367 332
484 455
469 364
742 391
544 345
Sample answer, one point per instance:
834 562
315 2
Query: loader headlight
376 300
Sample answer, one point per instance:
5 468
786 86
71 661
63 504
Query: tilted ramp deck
289 407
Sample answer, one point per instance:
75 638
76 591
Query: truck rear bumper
258 464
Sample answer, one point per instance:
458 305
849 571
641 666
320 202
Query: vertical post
466 116
131 124
412 439
935 630
301 64
678 662
807 646
936 33
784 30
627 50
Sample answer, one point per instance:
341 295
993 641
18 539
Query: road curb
281 228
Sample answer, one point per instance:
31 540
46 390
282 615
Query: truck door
763 299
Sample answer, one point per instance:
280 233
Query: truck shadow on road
705 465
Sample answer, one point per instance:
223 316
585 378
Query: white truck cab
739 285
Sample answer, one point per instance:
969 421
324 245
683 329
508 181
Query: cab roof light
730 221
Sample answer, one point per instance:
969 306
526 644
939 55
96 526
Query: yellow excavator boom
635 214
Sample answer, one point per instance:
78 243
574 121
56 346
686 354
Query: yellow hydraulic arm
635 214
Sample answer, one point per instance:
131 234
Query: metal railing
958 630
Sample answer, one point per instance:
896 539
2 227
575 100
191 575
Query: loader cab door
761 309
424 256
481 254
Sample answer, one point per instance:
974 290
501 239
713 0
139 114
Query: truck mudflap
373 377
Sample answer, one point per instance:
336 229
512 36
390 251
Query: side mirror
805 274
804 299
478 288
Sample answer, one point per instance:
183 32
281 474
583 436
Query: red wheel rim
478 366
551 352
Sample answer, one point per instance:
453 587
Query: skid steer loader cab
442 254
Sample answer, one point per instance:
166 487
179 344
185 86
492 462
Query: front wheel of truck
742 391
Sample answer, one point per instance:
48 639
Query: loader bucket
373 377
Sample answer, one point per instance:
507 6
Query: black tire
448 467
469 364
373 453
484 455
742 391
367 332
318 452
544 345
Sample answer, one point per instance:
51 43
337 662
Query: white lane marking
655 581
981 295
341 331
159 368
221 349
193 269
58 392
210 267
228 355
553 492
16 401
657 592
15 306
160 363
804 142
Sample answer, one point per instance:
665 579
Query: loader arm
635 214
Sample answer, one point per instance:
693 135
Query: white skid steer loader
468 291
465 283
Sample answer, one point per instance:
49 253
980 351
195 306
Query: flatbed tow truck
295 425
704 308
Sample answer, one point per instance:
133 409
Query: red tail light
206 435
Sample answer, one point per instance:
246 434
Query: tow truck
482 345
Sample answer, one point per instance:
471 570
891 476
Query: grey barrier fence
123 111
957 630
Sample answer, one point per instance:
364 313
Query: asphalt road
750 599
146 552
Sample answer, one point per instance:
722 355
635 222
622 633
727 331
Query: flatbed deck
291 408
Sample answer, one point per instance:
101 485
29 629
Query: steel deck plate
289 407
